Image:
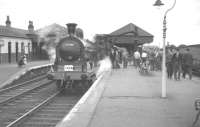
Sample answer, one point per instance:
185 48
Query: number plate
68 68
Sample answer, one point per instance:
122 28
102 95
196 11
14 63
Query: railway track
20 83
35 103
11 93
17 100
48 113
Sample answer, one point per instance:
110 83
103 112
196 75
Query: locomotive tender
70 67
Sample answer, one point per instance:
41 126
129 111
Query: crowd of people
152 59
178 63
119 57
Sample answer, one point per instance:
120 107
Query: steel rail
25 92
21 84
22 118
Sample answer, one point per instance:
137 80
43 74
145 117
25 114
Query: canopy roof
131 29
6 31
131 34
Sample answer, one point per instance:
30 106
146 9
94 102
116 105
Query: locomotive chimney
71 28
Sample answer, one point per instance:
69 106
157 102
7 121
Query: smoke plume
104 65
50 36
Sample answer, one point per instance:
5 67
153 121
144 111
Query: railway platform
130 99
134 100
8 72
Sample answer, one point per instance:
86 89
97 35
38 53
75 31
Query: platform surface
9 71
134 100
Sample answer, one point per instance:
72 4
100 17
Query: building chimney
71 28
30 26
8 22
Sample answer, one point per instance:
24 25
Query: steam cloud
104 65
50 42
51 52
50 47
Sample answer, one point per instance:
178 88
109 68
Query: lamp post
164 87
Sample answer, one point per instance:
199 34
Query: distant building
15 42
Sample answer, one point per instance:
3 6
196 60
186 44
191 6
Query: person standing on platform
177 64
117 59
144 58
187 63
25 59
112 57
22 61
91 63
125 58
137 58
157 60
152 61
169 66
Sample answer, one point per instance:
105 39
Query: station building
129 36
15 42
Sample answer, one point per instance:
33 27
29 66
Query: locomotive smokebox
71 28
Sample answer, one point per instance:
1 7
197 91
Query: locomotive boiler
70 67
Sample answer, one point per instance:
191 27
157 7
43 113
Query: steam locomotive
70 67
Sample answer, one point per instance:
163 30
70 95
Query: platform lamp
158 3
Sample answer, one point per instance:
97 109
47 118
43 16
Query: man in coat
187 63
177 64
169 64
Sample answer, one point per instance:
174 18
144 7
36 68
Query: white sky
105 16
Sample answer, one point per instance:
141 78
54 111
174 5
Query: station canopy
130 34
